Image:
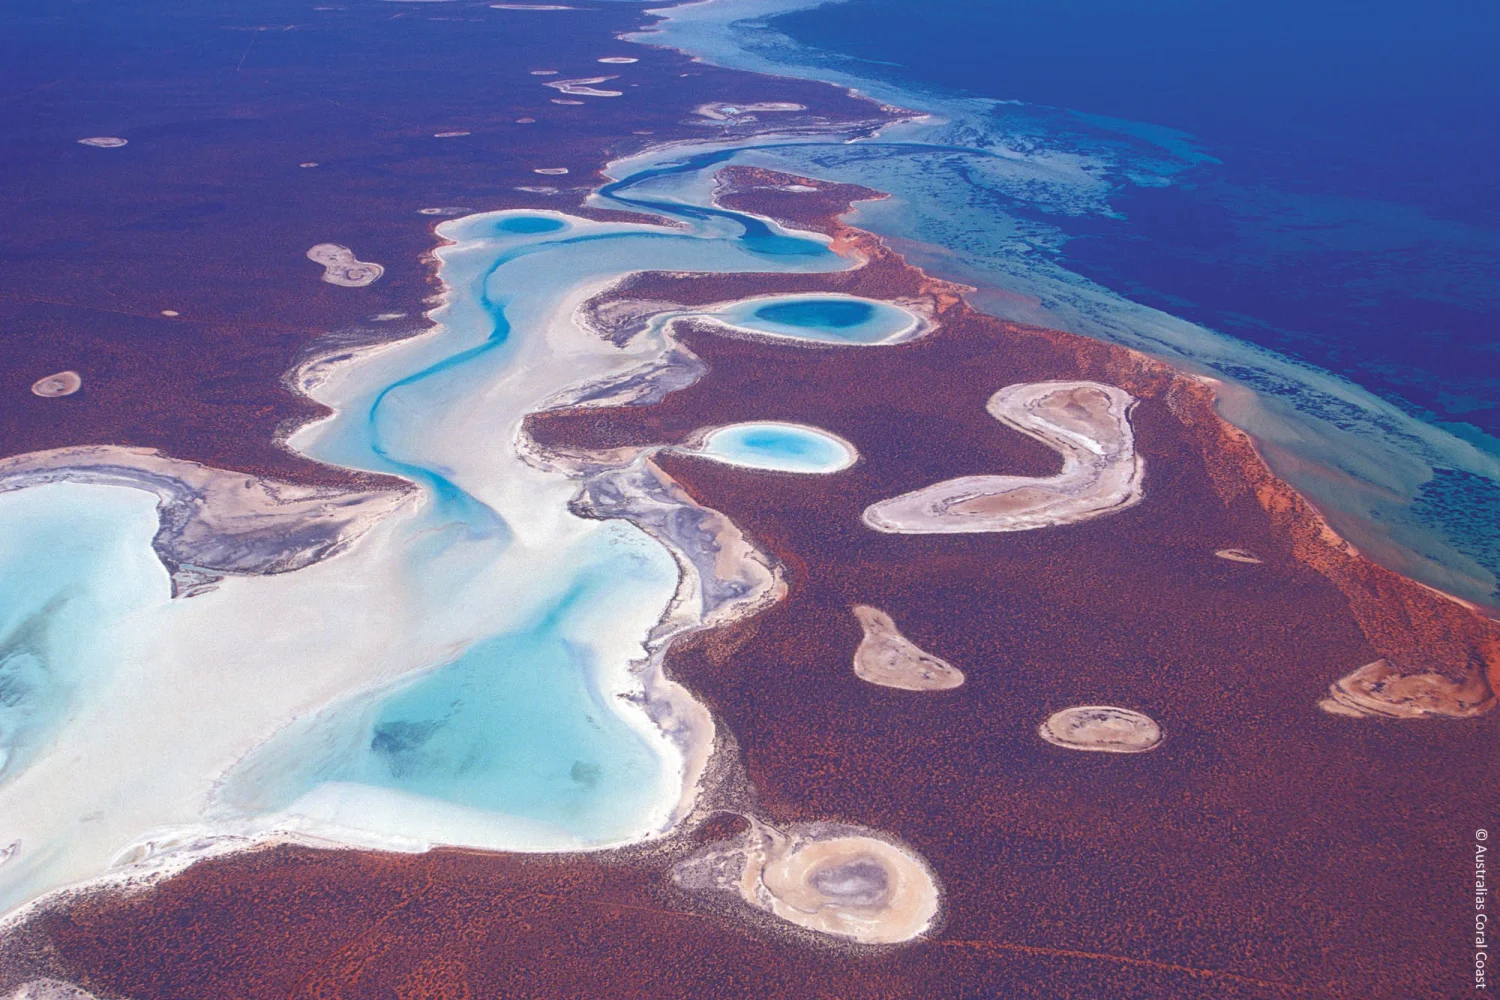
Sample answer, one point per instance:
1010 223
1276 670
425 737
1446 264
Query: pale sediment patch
564 100
890 659
49 989
57 384
103 142
341 267
1087 422
729 112
618 60
550 171
1103 728
213 522
584 87
449 135
1239 556
445 210
841 881
1380 690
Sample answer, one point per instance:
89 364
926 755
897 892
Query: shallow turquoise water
839 319
516 725
827 314
73 560
778 447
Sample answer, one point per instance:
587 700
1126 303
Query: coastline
727 578
1360 457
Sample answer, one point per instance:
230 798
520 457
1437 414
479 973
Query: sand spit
58 384
1088 422
215 523
890 659
842 881
104 142
1102 728
584 86
1379 690
341 267
1239 556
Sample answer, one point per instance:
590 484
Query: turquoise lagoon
836 319
779 447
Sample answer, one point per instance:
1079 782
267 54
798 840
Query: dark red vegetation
1266 849
208 213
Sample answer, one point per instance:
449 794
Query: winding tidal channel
473 671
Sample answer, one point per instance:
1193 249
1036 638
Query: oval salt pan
58 384
1102 728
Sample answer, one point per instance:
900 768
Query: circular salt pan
59 384
853 887
103 141
1103 728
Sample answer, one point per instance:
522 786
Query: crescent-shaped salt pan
1380 690
890 659
841 881
1087 422
1239 556
341 267
57 384
1102 728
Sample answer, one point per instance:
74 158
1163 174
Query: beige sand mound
341 267
57 384
890 659
1380 690
1102 728
835 880
1086 422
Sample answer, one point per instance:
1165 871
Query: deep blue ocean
1346 212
